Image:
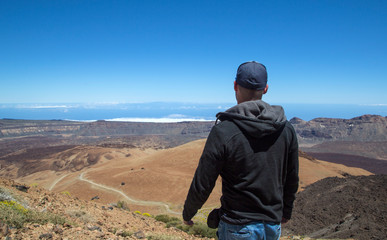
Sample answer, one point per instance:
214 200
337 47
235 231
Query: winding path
138 202
56 181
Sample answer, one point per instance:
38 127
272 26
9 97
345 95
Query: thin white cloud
53 106
158 120
45 106
375 105
176 116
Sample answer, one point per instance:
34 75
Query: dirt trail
134 201
57 181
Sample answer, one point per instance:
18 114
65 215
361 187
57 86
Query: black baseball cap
252 75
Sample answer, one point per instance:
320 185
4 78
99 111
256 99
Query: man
255 151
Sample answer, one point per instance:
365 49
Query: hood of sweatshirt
256 118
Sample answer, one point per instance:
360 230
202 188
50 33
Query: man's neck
248 100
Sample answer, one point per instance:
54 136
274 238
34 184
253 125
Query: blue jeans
253 230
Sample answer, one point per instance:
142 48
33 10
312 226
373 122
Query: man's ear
235 86
266 88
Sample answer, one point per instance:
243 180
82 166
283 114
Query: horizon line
49 105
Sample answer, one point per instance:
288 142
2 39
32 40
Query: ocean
171 112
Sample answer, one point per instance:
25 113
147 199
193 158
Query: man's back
255 152
255 171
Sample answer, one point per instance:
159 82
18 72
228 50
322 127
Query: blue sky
188 51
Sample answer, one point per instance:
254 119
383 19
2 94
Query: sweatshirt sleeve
206 174
291 183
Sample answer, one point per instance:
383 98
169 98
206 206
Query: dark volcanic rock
372 165
353 207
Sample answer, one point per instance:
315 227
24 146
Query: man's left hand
284 220
189 223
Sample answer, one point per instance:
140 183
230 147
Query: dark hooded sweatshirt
255 151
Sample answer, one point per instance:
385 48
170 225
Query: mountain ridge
363 128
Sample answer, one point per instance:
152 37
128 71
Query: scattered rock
93 228
21 188
66 225
43 200
4 230
95 198
46 236
139 235
57 229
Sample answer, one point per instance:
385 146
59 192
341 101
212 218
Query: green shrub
123 205
162 237
198 229
16 215
13 214
14 206
184 228
162 218
173 223
43 218
125 234
166 219
202 230
81 215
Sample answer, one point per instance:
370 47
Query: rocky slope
83 219
352 207
333 208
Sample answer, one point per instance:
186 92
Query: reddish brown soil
352 207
